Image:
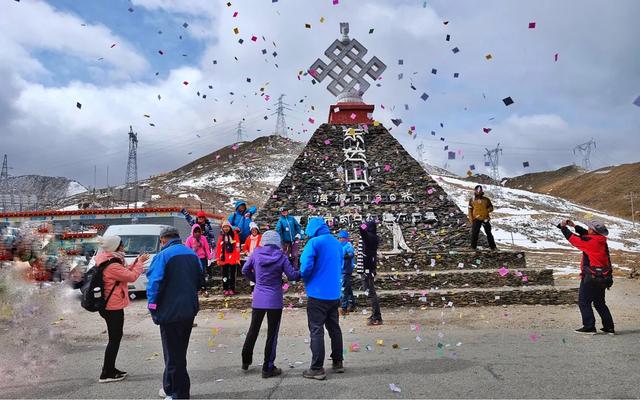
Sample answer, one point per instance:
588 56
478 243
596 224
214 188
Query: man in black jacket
370 241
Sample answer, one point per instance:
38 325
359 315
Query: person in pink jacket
200 246
116 277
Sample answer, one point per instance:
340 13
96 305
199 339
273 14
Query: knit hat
253 225
343 234
201 214
109 243
169 231
271 238
599 227
225 223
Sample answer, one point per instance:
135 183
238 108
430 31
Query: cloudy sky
106 55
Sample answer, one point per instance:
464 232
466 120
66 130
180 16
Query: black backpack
601 277
93 286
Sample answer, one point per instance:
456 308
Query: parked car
137 239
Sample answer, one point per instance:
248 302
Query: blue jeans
347 292
590 293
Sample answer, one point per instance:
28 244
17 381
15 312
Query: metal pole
633 217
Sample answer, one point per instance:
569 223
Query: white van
137 239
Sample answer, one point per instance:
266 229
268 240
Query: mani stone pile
351 174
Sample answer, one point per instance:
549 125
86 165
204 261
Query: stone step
476 278
543 294
412 280
451 260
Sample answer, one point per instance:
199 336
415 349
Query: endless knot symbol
347 67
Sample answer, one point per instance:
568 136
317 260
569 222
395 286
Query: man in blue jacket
241 218
321 270
172 294
290 234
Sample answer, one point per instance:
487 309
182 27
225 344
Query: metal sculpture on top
347 68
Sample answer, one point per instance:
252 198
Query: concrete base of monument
460 297
435 279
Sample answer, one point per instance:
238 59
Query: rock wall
398 188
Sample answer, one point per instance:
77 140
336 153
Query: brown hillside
604 189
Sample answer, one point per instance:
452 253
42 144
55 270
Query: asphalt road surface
484 352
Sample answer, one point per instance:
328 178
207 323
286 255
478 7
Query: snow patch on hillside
528 220
75 188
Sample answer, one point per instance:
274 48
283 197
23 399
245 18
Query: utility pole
239 133
281 125
492 160
5 190
631 196
132 162
585 150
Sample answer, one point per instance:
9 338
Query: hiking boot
586 331
608 331
343 312
275 371
374 322
113 377
338 367
318 374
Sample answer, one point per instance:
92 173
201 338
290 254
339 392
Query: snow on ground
75 188
190 195
526 219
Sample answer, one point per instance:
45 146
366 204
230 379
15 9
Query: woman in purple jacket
265 267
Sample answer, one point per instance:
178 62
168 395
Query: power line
585 150
239 133
132 162
281 125
492 159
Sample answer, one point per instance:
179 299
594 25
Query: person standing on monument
320 269
240 219
290 233
369 246
479 209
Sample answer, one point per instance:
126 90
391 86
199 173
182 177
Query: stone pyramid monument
353 170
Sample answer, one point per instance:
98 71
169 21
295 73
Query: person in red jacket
116 277
595 273
253 240
228 257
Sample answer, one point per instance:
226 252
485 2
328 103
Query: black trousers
205 272
475 232
591 293
321 314
115 324
368 284
273 327
175 341
229 277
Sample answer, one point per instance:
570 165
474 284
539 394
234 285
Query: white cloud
36 25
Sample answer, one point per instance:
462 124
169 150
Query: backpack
601 277
93 286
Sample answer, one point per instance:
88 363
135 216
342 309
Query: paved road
514 352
